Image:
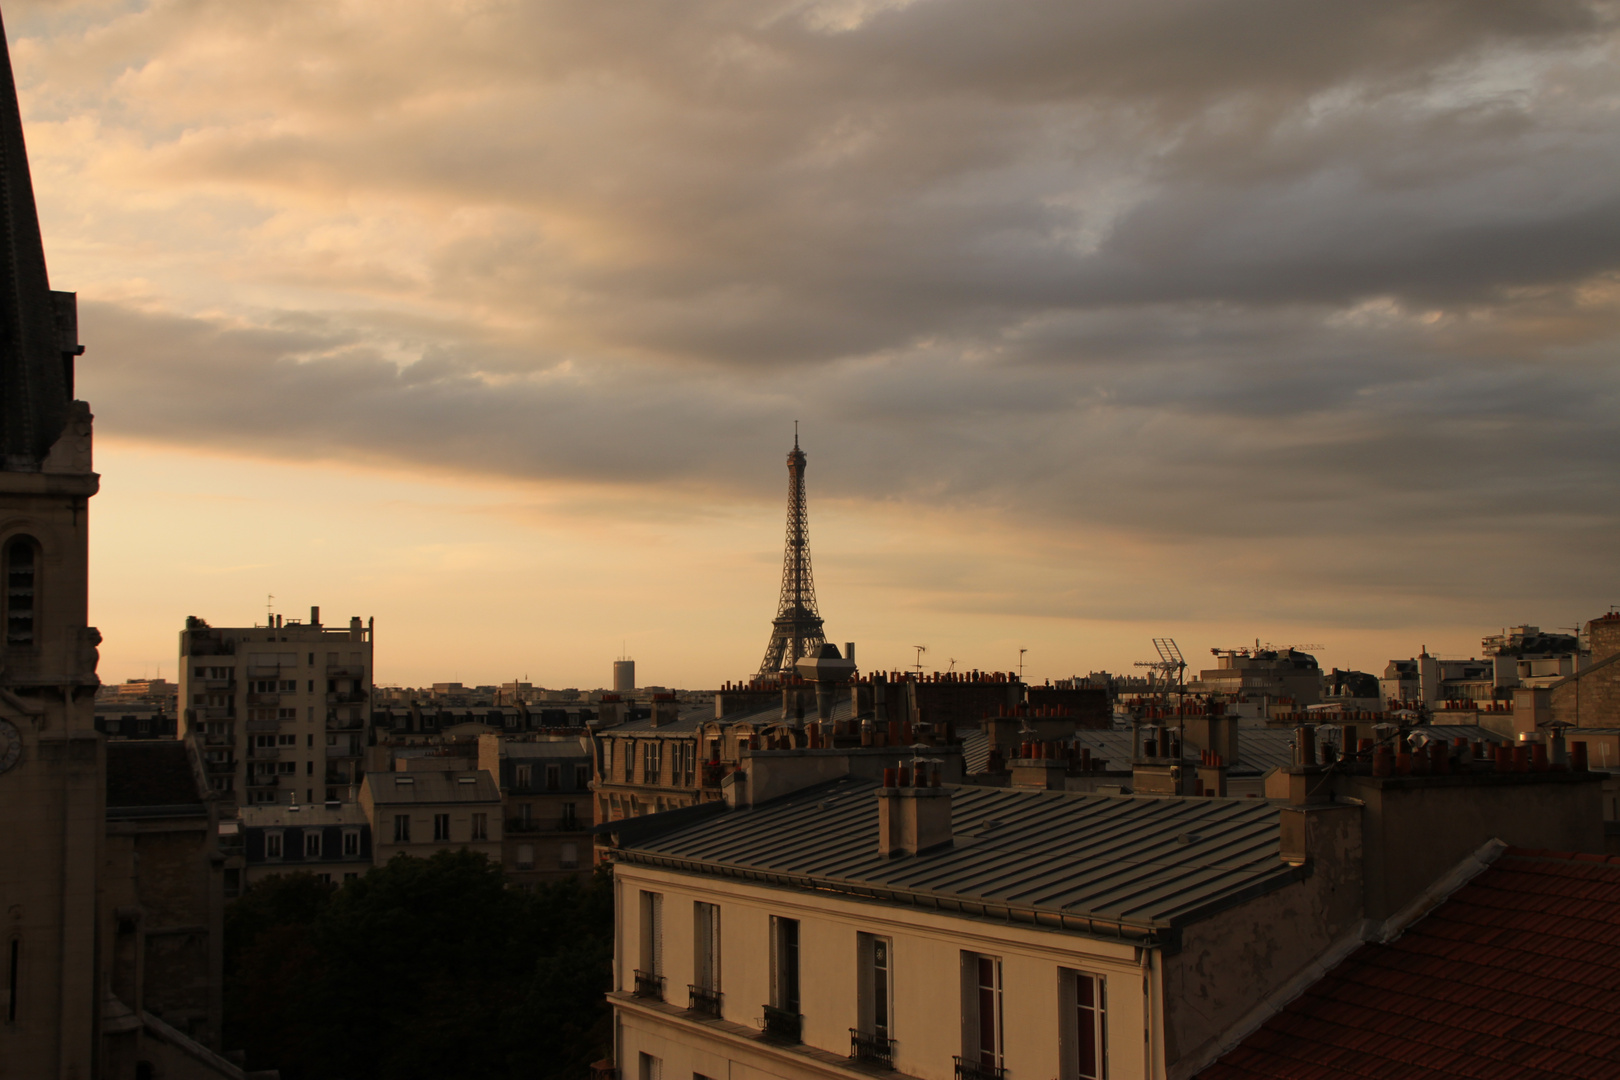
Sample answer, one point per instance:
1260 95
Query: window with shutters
650 970
441 826
782 1018
875 994
706 946
1083 1029
982 1049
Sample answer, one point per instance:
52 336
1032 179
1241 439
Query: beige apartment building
420 812
278 712
955 932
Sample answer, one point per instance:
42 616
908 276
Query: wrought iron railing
781 1024
649 985
704 1000
870 1049
973 1070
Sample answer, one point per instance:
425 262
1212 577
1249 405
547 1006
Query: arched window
21 582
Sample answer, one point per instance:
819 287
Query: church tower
52 794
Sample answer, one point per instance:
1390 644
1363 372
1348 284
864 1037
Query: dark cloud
1336 282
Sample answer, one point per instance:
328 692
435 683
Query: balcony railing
262 780
264 753
264 699
872 1049
538 825
345 671
781 1024
649 986
346 697
264 725
973 1070
705 1001
218 767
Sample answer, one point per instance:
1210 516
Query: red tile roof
1515 977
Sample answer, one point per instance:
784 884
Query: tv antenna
920 650
1021 653
269 607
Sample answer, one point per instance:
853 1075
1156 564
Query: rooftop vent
404 779
466 779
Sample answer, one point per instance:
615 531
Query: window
652 933
553 777
981 1013
651 1068
525 857
272 845
607 757
706 946
480 826
524 775
582 777
785 963
1083 1031
875 992
351 842
629 760
289 686
570 816
570 857
20 584
14 970
287 715
652 766
312 844
525 815
287 768
286 740
441 826
402 828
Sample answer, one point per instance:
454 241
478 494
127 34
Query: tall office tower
796 630
52 765
624 675
278 712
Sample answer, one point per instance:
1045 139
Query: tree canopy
422 968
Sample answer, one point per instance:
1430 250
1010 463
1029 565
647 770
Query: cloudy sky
1220 319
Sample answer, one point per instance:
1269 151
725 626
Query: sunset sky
1217 319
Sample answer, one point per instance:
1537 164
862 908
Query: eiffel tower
796 631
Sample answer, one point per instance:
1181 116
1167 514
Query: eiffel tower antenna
796 631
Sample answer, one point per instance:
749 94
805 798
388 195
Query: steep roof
34 364
422 787
1140 865
148 774
1516 975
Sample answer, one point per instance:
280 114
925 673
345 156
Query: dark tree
422 968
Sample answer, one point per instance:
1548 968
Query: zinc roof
1137 863
399 788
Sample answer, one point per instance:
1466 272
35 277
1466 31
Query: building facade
420 812
280 712
330 840
546 804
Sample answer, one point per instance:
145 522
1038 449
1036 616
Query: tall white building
279 712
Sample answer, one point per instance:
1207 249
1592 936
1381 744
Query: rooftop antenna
952 666
1021 653
920 650
269 600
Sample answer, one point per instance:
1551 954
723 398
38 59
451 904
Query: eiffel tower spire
796 631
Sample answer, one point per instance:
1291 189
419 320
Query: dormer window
20 562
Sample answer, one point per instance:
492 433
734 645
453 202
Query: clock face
10 745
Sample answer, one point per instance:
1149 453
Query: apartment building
967 933
545 786
330 840
279 712
420 812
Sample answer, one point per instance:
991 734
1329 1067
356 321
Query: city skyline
495 324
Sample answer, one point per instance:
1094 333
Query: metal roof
1133 863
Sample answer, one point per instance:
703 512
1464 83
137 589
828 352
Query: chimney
315 617
916 818
664 709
